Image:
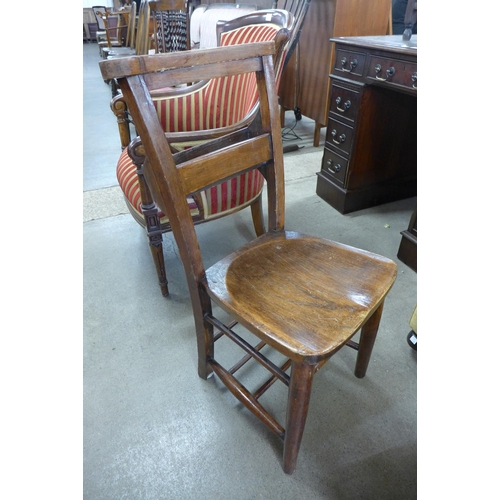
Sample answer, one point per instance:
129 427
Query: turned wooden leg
317 133
299 393
151 218
366 341
258 216
154 232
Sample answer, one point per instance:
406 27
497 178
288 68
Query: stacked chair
129 47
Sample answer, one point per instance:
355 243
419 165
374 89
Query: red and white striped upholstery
220 103
218 201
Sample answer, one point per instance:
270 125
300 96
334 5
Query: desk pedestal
370 154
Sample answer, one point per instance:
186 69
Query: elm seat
301 296
193 115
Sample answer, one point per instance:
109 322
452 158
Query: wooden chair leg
299 393
317 134
366 342
258 216
204 334
154 233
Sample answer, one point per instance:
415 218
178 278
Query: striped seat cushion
218 201
129 184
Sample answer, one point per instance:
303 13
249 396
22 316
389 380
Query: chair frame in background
129 47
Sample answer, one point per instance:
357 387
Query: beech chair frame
304 296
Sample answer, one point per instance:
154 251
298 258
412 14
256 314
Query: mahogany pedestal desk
370 154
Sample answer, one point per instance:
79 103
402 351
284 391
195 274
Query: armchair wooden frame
302 295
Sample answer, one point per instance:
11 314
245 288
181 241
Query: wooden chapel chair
302 295
195 114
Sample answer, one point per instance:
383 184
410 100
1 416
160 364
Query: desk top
392 43
384 60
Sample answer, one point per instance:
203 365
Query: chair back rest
227 100
299 10
142 35
171 177
98 10
258 26
172 19
206 19
131 25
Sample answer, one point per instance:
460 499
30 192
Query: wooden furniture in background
172 25
370 154
302 296
407 252
128 48
89 25
305 82
115 29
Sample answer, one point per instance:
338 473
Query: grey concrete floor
154 430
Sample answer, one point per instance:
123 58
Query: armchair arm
119 108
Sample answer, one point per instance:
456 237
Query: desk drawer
339 136
344 102
334 166
393 72
348 62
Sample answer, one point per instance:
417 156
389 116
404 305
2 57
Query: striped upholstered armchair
198 114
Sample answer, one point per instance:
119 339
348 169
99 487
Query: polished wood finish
302 295
370 154
305 82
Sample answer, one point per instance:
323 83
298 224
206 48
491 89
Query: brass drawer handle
347 105
352 64
342 137
414 80
336 168
390 72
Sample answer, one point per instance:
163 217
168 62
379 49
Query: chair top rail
140 65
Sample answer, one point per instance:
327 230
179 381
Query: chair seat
218 201
322 292
129 184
